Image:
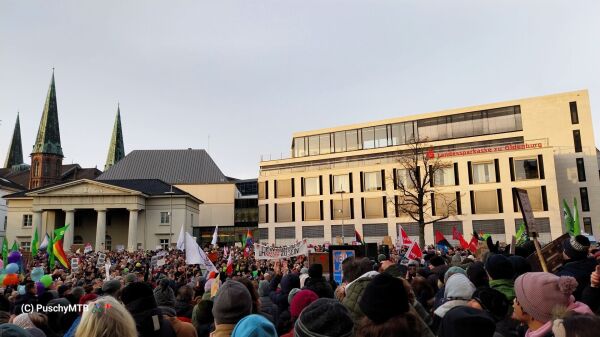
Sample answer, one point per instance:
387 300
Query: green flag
5 251
521 234
34 243
59 233
50 251
15 247
576 224
569 221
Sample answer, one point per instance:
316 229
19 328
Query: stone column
133 230
70 232
100 230
36 223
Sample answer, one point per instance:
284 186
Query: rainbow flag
249 238
59 253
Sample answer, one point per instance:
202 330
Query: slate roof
5 183
69 172
48 136
171 166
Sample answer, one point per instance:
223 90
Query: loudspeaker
371 251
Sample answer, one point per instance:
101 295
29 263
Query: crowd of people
488 293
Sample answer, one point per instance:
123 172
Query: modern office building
343 179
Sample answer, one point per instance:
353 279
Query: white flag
215 237
107 269
44 244
195 255
180 240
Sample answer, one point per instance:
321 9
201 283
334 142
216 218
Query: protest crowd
450 292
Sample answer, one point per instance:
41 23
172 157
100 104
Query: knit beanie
492 301
324 317
539 293
520 265
437 261
458 287
301 300
291 294
23 321
383 298
453 270
499 267
11 330
315 271
263 288
477 275
87 298
464 321
381 258
111 287
577 247
232 303
254 326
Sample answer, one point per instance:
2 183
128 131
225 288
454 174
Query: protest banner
101 260
88 248
262 252
74 265
154 261
529 220
552 254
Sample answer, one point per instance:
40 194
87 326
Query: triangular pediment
83 187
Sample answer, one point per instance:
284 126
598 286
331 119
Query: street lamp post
341 210
170 193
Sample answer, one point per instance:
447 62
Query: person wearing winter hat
520 265
477 274
139 301
292 293
501 273
539 295
164 294
301 300
577 262
232 303
465 321
457 292
497 306
254 326
324 317
266 305
111 288
317 283
387 309
11 330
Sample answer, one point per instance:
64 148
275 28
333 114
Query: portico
132 214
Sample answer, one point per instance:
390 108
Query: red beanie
301 300
87 298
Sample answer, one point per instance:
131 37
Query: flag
15 247
5 251
53 251
569 221
576 224
456 235
249 238
181 239
59 253
440 239
414 252
357 237
521 235
195 255
214 288
34 243
45 242
473 243
230 263
59 233
406 241
215 236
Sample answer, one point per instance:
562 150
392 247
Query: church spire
15 152
116 149
48 136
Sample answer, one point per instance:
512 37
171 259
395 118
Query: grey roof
10 185
171 166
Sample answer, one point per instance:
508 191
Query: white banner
262 252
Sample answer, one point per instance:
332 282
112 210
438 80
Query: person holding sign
577 262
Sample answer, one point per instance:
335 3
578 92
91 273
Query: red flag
414 252
406 241
473 244
230 263
440 239
357 236
456 235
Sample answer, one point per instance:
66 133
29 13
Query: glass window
526 169
352 140
577 141
341 183
381 139
574 114
585 201
299 150
587 225
284 212
263 216
410 129
580 169
325 143
164 244
483 172
373 208
342 210
284 188
262 190
108 242
372 181
503 120
462 126
26 245
313 145
428 129
486 202
311 186
444 176
398 135
27 220
312 211
403 178
368 138
164 217
479 124
339 139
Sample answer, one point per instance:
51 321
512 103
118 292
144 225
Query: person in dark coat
288 282
465 321
266 304
29 298
139 300
317 283
577 263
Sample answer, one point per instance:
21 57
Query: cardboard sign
552 254
154 261
319 258
101 260
526 211
88 248
74 265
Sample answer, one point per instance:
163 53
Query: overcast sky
250 73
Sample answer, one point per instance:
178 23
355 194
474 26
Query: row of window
478 123
479 173
164 219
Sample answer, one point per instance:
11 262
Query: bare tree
415 185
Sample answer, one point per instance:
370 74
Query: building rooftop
171 166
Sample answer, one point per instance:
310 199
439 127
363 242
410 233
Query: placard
552 253
101 260
262 252
74 265
337 255
526 211
88 248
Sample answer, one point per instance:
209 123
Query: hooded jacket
506 287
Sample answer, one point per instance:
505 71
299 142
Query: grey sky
249 73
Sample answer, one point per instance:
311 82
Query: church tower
14 157
47 155
116 149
